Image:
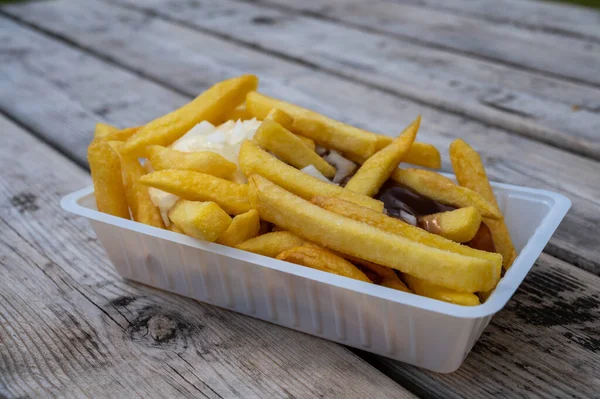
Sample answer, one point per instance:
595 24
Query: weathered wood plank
511 45
194 60
70 327
552 17
545 343
530 104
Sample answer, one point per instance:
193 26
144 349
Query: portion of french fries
272 193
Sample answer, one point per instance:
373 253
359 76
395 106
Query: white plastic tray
424 332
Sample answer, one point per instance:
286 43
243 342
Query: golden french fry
289 148
420 154
240 113
429 290
470 173
281 117
176 229
200 161
387 276
310 143
103 129
195 186
142 208
322 259
439 188
105 165
459 225
395 226
350 237
123 134
253 160
377 169
242 228
212 106
202 220
271 244
326 131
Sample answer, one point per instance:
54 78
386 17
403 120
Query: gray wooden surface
496 76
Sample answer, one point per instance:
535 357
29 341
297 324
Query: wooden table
518 79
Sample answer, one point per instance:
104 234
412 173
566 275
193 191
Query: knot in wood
161 328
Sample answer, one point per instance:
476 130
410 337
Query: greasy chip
103 129
281 117
377 169
459 225
212 106
201 220
429 290
194 186
470 173
105 165
439 188
271 244
254 160
243 227
322 259
342 234
199 161
289 148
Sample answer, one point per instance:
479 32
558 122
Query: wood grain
70 327
552 17
195 60
531 104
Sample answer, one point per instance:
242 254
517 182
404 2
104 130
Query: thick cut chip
212 106
377 169
322 259
310 143
289 148
395 226
387 277
142 208
122 135
420 154
199 161
242 228
325 131
459 225
429 290
105 165
202 220
240 113
470 173
271 244
195 186
438 188
103 129
281 117
350 237
254 160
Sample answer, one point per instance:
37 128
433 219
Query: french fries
440 189
103 129
200 161
470 173
459 225
195 186
138 198
448 269
279 116
322 259
242 228
201 220
263 183
254 160
289 148
105 165
212 105
429 290
395 226
326 131
271 244
377 169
